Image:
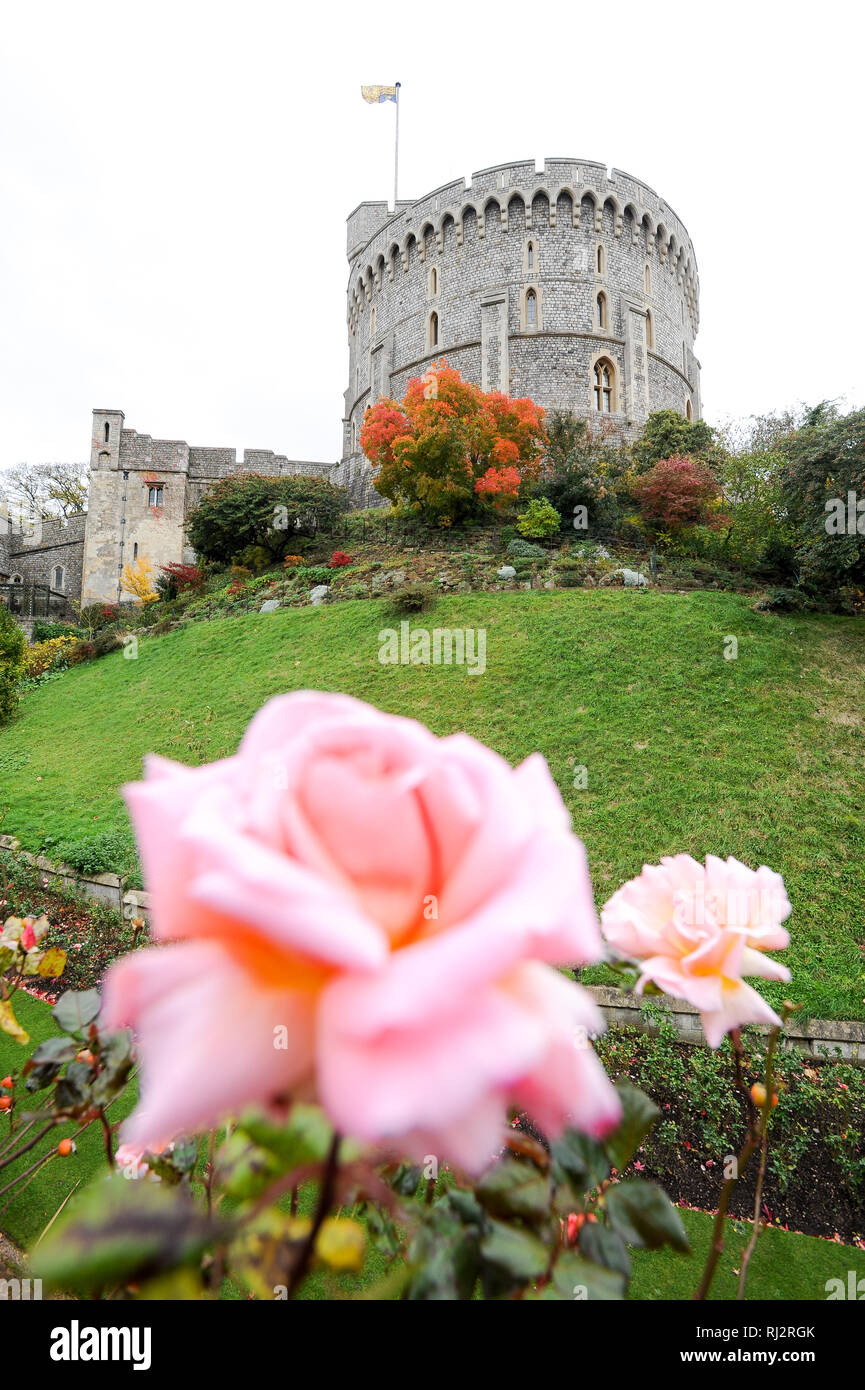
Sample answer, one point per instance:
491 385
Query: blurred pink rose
696 930
366 914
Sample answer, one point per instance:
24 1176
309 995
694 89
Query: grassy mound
684 750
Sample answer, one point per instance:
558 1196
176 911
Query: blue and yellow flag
374 94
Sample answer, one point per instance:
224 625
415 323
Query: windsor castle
572 286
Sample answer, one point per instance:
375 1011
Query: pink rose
697 930
366 914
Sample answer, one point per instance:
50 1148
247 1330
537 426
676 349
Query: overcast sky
176 176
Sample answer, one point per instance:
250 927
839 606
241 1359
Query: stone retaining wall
816 1037
110 889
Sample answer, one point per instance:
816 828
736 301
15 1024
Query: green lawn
761 757
26 1210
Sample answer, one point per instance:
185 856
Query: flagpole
396 151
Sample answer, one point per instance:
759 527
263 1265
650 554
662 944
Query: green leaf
579 1279
76 1009
406 1178
73 1089
603 1246
172 1166
512 1188
639 1113
54 1050
444 1257
644 1216
465 1205
115 1061
579 1161
120 1231
304 1139
10 1024
245 1169
514 1253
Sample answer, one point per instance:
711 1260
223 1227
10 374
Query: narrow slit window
531 309
433 330
601 311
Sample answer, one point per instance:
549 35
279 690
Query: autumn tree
137 580
677 492
450 447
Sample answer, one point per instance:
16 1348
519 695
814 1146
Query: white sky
175 179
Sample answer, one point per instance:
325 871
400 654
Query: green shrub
98 615
106 852
413 598
540 520
108 640
526 550
13 660
241 514
43 631
787 601
315 574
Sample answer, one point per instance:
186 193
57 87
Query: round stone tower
570 285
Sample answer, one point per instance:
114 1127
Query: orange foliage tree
450 447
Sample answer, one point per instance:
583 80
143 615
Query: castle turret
105 441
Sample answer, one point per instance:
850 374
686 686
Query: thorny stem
19 1153
764 1152
757 1136
325 1201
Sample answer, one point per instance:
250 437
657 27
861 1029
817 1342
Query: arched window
135 551
58 577
107 431
650 332
600 260
647 278
531 310
601 310
530 256
605 385
688 411
433 281
371 324
433 330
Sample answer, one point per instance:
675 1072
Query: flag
374 94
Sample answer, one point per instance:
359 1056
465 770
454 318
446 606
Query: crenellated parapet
380 240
